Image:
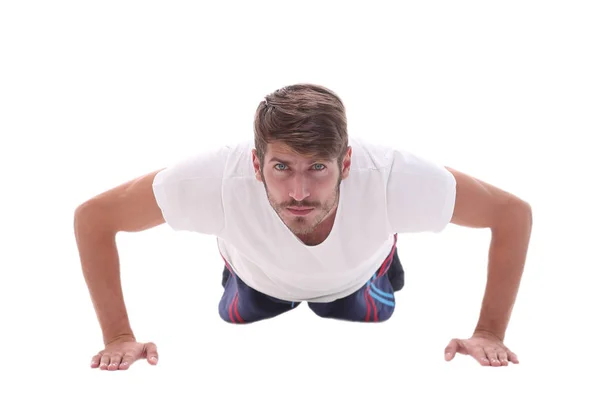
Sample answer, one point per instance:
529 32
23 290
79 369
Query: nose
299 190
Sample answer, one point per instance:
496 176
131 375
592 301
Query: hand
120 355
486 348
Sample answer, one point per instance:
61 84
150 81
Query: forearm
100 264
507 256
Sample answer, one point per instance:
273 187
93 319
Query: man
304 213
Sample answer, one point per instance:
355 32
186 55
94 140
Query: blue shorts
374 302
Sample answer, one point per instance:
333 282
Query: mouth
299 211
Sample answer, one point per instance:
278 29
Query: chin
300 225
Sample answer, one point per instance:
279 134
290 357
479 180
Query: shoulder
367 155
209 162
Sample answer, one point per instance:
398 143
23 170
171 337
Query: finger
503 357
128 359
450 350
492 356
115 360
151 353
512 357
104 361
479 354
95 361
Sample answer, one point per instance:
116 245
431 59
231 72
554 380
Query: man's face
303 191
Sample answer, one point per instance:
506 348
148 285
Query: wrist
124 337
481 332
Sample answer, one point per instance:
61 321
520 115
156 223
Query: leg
396 273
243 304
374 302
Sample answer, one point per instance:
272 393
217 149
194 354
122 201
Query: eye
319 167
279 165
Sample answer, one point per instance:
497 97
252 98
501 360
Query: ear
256 163
346 163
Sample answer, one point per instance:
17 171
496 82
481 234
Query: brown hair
308 118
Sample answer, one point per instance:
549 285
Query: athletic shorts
374 302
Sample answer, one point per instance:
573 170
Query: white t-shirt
388 191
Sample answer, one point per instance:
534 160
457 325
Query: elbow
525 212
89 218
516 212
86 211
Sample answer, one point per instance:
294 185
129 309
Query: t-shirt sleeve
420 194
189 192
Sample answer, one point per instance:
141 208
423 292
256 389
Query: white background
93 94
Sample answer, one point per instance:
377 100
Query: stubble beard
301 224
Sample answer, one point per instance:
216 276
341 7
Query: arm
481 205
130 207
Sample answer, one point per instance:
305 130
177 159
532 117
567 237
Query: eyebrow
311 161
